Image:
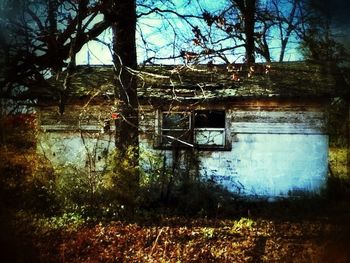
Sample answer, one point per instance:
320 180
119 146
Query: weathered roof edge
217 82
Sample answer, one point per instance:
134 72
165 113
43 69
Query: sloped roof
216 82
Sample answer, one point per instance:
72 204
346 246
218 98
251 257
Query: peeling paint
279 152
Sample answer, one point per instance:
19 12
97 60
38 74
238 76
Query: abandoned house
257 131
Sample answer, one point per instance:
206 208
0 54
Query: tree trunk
123 21
122 17
248 9
249 15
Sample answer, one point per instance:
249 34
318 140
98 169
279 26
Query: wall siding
74 142
270 164
69 151
75 117
278 149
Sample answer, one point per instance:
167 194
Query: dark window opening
209 119
205 129
209 128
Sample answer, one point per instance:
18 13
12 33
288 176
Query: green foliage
121 182
155 179
66 221
208 232
180 191
337 123
243 224
338 161
111 192
44 224
338 183
78 189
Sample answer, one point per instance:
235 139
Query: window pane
210 137
179 120
209 119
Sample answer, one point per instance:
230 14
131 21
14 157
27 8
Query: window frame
225 146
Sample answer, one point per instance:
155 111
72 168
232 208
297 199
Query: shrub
79 190
179 190
155 180
121 182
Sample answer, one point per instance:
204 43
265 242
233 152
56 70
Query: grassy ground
280 232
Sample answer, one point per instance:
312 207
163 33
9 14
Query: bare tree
259 26
279 21
40 37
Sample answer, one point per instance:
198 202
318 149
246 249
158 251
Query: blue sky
158 33
169 36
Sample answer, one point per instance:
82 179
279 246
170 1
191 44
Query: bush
121 182
78 190
155 180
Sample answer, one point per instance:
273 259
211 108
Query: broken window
200 128
175 128
209 128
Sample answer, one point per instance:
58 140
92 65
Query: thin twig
155 242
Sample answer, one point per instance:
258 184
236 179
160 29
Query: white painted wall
67 149
270 164
275 153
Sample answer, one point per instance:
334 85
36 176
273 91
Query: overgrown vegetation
178 239
338 181
26 178
29 181
68 215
